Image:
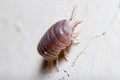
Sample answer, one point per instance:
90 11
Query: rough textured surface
23 22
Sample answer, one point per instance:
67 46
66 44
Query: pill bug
57 38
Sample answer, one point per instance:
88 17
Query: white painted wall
23 22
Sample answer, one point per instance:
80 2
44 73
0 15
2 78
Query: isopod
57 38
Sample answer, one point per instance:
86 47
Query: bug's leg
75 41
75 34
73 25
65 56
57 64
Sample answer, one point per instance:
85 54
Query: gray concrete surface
23 22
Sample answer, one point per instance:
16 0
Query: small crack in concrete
66 75
97 36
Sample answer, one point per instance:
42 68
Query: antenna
72 13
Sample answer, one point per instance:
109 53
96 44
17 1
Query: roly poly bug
57 38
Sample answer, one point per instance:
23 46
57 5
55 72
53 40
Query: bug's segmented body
57 38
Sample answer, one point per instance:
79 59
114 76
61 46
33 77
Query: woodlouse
57 38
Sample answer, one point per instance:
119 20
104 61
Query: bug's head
66 27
